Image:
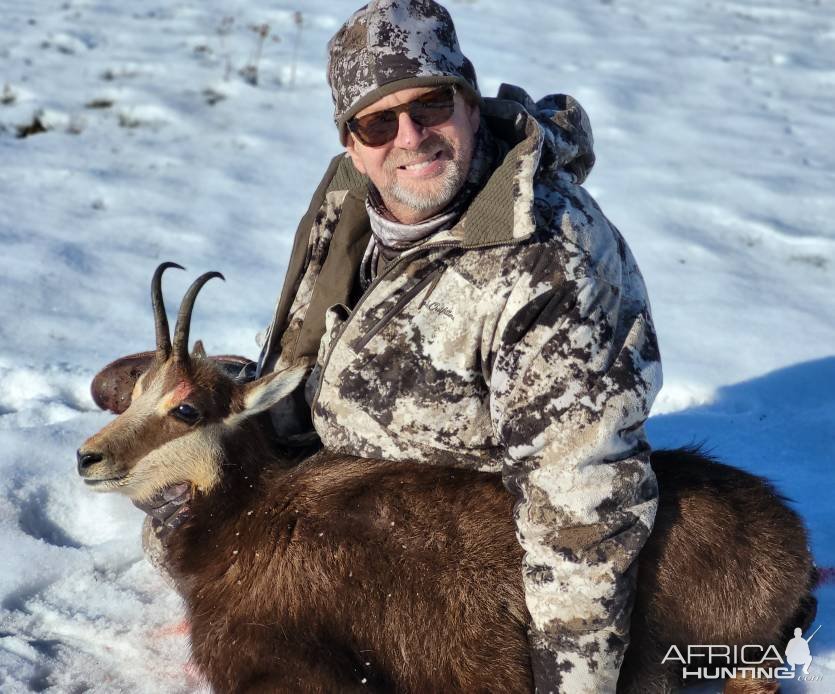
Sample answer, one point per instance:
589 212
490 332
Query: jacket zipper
394 310
379 278
374 283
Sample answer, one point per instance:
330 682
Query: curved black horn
184 316
160 319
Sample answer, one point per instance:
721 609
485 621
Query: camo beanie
389 45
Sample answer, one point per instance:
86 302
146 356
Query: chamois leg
645 678
642 671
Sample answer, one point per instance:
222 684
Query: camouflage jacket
519 341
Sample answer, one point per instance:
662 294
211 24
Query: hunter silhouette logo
719 661
797 651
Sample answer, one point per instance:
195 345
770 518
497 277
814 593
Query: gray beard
453 178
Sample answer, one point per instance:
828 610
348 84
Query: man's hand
168 510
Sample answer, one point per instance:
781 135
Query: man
461 299
465 300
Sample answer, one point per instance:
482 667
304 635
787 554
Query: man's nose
409 134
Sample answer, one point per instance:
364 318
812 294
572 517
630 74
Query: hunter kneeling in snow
460 296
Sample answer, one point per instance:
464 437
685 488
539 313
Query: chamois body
321 572
342 573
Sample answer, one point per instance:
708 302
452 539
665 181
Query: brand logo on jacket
439 308
714 661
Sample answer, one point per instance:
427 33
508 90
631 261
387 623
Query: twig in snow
298 20
223 31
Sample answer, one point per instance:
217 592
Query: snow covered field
714 125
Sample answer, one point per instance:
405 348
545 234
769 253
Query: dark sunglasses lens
428 112
376 129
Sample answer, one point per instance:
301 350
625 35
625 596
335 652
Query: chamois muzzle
87 459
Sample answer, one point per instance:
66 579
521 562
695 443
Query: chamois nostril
87 458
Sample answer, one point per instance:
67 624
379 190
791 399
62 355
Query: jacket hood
567 141
546 139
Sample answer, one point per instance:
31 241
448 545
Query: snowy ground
714 125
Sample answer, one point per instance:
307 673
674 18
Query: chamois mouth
106 484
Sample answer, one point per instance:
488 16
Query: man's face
423 167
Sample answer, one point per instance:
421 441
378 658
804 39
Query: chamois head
182 410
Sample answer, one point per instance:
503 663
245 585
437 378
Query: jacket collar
503 211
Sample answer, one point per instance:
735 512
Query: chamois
319 572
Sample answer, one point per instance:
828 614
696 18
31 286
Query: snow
713 125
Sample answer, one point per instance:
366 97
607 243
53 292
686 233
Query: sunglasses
379 128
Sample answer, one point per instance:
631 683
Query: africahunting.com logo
714 661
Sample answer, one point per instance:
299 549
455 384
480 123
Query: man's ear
475 117
262 394
351 148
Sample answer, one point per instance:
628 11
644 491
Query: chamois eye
186 413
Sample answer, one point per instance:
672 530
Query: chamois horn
160 319
181 329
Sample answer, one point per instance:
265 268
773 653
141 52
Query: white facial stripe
173 397
130 423
165 403
138 387
194 457
145 404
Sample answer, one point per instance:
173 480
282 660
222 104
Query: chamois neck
226 518
248 452
226 521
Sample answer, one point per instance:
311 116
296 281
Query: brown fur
749 686
340 569
349 569
727 563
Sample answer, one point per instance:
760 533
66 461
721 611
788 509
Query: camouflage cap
389 45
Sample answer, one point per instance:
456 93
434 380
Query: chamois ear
198 351
262 394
